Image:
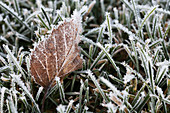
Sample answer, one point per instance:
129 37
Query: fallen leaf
58 54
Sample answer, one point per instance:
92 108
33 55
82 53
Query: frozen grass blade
135 12
138 95
156 56
98 39
11 11
145 18
89 8
149 30
143 103
147 7
3 68
151 75
135 52
28 19
102 7
69 106
162 71
129 52
155 43
85 109
166 32
90 54
107 54
128 4
20 36
147 65
18 80
133 71
8 24
24 100
87 94
161 74
113 88
38 93
154 26
110 59
86 54
43 22
109 26
28 65
61 90
23 37
99 56
163 42
166 100
116 79
73 83
45 15
57 18
11 105
165 50
2 98
116 13
20 60
80 95
17 7
126 30
97 85
53 89
14 60
94 30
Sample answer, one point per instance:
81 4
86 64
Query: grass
125 49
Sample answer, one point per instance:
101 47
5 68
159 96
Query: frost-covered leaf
57 55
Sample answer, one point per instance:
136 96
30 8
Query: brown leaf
57 55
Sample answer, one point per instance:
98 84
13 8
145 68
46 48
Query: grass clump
125 50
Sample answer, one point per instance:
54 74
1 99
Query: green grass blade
45 15
43 22
145 18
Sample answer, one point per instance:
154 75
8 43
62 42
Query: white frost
61 108
128 77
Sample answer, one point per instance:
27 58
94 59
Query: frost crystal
111 108
128 77
77 19
61 108
164 63
160 92
1 18
131 38
116 13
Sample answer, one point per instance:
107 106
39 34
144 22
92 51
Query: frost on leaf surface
57 55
